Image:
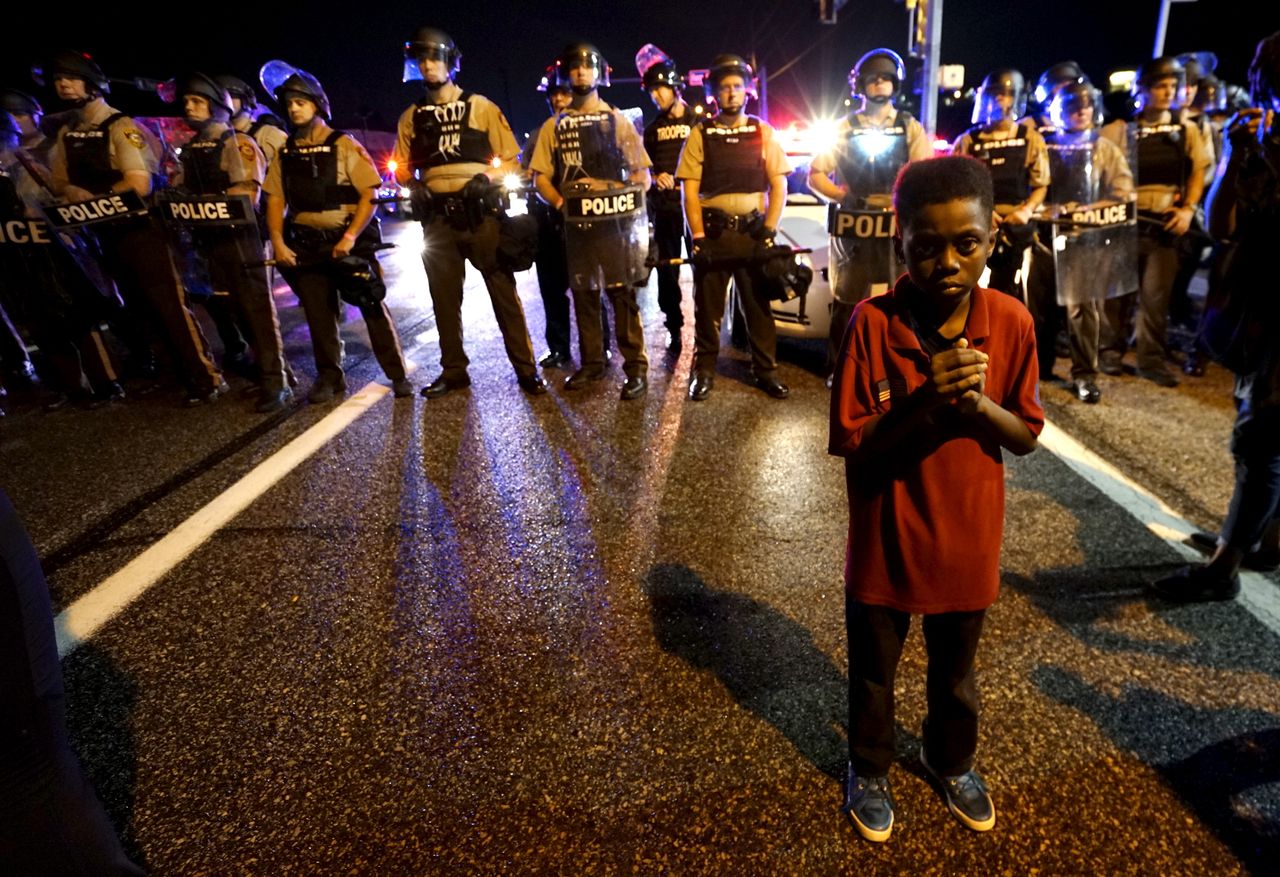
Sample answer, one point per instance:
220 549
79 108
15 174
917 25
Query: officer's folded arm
548 192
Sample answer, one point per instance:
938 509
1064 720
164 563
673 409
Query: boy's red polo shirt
925 526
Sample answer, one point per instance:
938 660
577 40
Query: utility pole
924 41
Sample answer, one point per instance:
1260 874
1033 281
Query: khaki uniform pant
447 250
227 253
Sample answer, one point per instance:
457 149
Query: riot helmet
1069 99
430 43
582 55
549 86
238 88
73 65
208 88
877 62
19 103
729 65
359 280
283 81
664 73
1054 77
988 108
1211 96
1154 71
657 68
1197 65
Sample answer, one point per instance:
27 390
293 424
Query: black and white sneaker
869 804
967 797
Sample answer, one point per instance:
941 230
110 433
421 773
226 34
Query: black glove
698 250
420 201
764 236
477 188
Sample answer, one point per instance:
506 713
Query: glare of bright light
1121 80
874 143
495 162
511 182
392 164
824 135
941 147
698 109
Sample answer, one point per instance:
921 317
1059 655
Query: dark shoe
1196 584
240 364
1160 376
1202 541
967 797
534 385
700 386
674 341
442 385
634 388
555 359
1047 376
1109 363
56 402
325 391
1087 391
402 389
270 402
773 387
582 377
869 804
196 398
1261 560
1193 365
110 392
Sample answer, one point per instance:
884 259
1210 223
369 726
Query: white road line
82 619
1258 594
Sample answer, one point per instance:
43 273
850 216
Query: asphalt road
568 634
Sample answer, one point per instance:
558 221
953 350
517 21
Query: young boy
933 380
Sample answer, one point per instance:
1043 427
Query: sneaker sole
965 820
875 835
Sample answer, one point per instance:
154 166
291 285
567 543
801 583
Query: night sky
355 49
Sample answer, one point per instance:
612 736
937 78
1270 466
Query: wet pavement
492 633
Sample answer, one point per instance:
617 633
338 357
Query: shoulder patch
248 149
134 136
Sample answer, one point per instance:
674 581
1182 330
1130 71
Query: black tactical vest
663 140
587 146
310 176
868 165
1007 161
442 134
733 158
202 172
1072 175
1161 152
89 157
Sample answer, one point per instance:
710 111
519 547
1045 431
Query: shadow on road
768 662
1216 780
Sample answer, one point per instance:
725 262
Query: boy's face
946 247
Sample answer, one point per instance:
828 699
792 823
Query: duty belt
743 222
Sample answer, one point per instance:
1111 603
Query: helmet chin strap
582 90
436 86
878 99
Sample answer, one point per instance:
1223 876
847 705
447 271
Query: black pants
711 287
553 278
51 822
668 233
876 634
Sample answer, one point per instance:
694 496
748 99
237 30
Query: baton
271 263
741 260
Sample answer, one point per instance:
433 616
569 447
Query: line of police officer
717 189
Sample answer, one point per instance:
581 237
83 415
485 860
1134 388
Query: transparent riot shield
212 237
1095 252
606 235
862 261
587 148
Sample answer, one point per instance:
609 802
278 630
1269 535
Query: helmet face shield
1068 102
882 64
430 44
1002 96
578 57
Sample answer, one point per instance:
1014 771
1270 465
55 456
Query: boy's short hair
939 180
